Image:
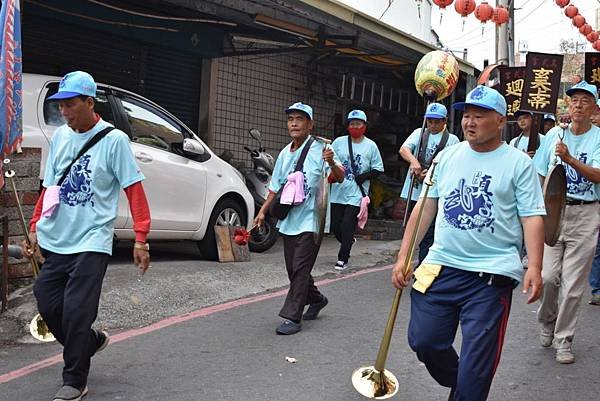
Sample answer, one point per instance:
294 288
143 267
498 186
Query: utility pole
503 35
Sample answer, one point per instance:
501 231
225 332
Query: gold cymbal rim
34 333
365 386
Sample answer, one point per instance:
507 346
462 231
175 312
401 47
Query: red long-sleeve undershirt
138 205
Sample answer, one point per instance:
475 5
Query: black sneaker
288 327
70 393
314 309
103 340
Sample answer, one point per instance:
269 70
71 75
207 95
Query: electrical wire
387 8
531 12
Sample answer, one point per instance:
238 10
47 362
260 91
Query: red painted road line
206 311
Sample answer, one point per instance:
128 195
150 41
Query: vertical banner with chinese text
592 69
542 82
512 80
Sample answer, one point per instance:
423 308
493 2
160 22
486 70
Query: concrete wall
27 168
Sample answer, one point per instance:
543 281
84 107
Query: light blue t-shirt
522 142
301 218
83 220
584 147
366 158
412 142
481 198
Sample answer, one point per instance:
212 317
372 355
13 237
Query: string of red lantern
578 21
483 12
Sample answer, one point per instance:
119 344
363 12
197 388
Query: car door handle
143 157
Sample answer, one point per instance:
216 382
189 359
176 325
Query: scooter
257 180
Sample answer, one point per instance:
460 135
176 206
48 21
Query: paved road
231 353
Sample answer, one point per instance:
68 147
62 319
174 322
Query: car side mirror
193 146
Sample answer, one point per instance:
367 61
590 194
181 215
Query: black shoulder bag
421 156
278 210
353 166
88 145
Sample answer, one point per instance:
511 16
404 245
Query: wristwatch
142 245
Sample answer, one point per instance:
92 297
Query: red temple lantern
562 3
500 15
483 12
464 8
596 45
442 4
571 11
585 29
578 21
592 36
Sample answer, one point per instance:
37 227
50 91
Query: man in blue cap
304 157
487 194
548 122
521 141
567 264
348 197
595 272
88 164
418 150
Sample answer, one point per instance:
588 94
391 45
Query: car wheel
227 212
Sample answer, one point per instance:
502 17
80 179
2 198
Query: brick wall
27 168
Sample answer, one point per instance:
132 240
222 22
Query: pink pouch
51 200
363 214
293 191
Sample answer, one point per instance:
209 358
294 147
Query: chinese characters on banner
542 82
592 68
512 80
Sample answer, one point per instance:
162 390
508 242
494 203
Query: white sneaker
340 266
565 356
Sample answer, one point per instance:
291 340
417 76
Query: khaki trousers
566 266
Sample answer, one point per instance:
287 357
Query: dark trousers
67 293
300 253
482 309
427 240
343 224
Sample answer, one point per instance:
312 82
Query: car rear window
53 118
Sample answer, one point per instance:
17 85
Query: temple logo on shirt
348 168
577 184
469 207
77 187
429 152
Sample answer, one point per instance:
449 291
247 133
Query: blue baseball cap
357 115
484 97
299 106
584 86
549 117
436 110
74 84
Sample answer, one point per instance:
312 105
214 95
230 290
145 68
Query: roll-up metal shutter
167 77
